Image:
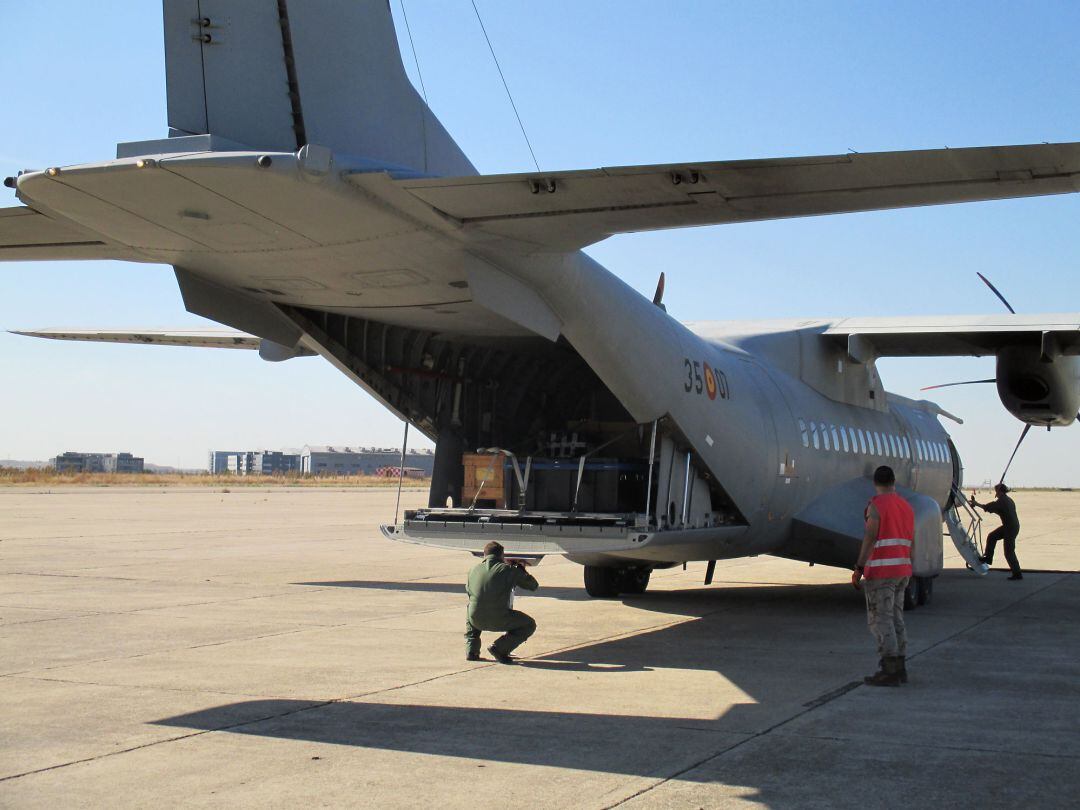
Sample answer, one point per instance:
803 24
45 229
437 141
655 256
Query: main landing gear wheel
635 580
926 590
602 583
606 583
911 594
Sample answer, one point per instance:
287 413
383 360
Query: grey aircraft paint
463 303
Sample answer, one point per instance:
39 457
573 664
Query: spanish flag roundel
710 382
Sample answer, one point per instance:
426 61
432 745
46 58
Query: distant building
272 462
330 460
219 461
123 463
320 460
71 462
238 463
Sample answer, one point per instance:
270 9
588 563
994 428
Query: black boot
500 656
903 667
888 675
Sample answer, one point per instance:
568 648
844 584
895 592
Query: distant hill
22 465
163 470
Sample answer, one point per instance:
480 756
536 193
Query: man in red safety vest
885 563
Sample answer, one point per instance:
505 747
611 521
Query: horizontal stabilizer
566 210
203 338
28 235
199 338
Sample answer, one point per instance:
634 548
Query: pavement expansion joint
931 745
86 615
148 687
835 694
100 756
166 651
987 617
232 726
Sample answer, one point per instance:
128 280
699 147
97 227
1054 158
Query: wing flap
29 235
568 210
961 335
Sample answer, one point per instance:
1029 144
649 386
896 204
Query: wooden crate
487 470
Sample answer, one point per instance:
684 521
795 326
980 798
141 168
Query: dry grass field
48 477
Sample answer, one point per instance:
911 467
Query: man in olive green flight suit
1005 508
490 587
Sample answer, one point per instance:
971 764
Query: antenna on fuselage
658 296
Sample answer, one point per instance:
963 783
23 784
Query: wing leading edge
568 210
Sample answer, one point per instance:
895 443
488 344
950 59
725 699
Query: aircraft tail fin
279 74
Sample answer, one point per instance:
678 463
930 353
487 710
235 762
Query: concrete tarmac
267 648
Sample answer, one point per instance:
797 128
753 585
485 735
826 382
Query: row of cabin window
870 442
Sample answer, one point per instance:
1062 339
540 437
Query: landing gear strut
605 583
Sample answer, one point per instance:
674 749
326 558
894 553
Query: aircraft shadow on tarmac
748 635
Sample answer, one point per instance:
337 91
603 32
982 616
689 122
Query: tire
635 580
926 590
601 583
911 594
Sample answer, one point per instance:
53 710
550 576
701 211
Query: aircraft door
780 490
679 502
910 434
670 483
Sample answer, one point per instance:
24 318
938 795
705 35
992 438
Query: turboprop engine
1039 385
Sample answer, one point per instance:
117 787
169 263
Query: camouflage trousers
885 614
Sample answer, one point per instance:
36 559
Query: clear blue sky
597 83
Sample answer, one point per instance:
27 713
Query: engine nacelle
1036 388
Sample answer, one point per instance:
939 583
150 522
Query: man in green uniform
1004 507
491 587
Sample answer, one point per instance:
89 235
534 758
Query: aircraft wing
938 336
28 235
203 338
566 210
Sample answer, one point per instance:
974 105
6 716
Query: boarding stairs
967 538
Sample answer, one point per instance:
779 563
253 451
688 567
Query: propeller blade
966 382
994 290
658 296
1018 443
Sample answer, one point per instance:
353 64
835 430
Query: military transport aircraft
306 195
